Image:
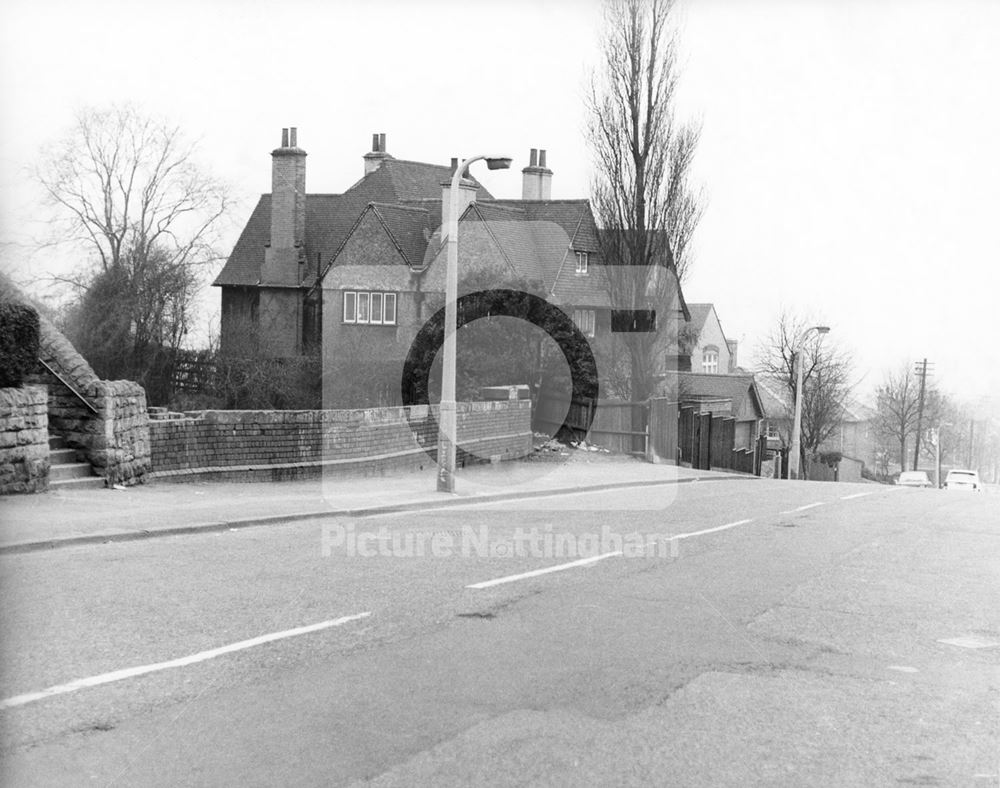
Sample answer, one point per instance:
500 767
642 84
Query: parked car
914 479
958 479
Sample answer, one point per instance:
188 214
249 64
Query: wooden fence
707 441
622 427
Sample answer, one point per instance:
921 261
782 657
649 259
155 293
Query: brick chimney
466 196
288 213
537 178
374 159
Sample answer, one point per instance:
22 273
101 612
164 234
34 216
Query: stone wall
119 446
24 440
114 436
271 445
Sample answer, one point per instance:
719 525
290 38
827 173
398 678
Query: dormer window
582 263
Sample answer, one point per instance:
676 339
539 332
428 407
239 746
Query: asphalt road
753 632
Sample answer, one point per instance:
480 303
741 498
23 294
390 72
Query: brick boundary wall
24 440
243 445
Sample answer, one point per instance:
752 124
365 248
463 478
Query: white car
958 479
914 479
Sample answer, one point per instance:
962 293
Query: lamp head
497 163
821 329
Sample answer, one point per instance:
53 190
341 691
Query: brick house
711 352
363 270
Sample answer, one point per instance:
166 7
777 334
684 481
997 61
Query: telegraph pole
921 370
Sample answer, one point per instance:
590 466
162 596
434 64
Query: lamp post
448 434
796 448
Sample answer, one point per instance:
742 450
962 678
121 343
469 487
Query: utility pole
921 370
972 430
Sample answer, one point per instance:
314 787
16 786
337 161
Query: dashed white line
201 656
803 508
711 530
545 571
856 495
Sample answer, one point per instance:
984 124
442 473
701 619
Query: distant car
963 480
914 479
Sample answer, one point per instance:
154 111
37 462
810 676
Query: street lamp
448 434
796 449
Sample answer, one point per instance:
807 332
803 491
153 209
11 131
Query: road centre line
201 656
536 572
711 530
593 559
803 508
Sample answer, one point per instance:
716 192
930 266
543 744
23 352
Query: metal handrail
70 386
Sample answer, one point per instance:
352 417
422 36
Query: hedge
19 330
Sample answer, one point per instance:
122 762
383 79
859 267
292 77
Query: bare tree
642 196
127 193
897 403
826 377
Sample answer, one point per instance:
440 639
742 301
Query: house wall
272 445
853 439
239 314
711 337
280 326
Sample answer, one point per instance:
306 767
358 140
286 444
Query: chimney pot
293 139
374 143
541 158
534 157
454 165
284 138
381 143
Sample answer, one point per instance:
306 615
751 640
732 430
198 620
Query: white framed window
389 310
585 320
771 431
369 308
582 263
710 361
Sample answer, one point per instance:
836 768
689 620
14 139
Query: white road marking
856 495
902 668
711 530
803 508
545 571
201 656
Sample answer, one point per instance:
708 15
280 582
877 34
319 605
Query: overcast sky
850 151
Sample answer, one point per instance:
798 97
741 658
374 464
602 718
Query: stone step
62 456
72 470
57 442
79 483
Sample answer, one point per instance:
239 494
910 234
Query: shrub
19 330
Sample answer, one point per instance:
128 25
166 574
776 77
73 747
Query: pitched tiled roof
703 386
409 227
775 397
557 229
398 179
699 314
331 217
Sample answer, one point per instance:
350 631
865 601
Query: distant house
365 268
853 437
711 352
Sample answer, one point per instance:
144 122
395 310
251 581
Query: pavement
162 508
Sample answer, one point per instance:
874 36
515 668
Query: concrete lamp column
448 433
795 451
